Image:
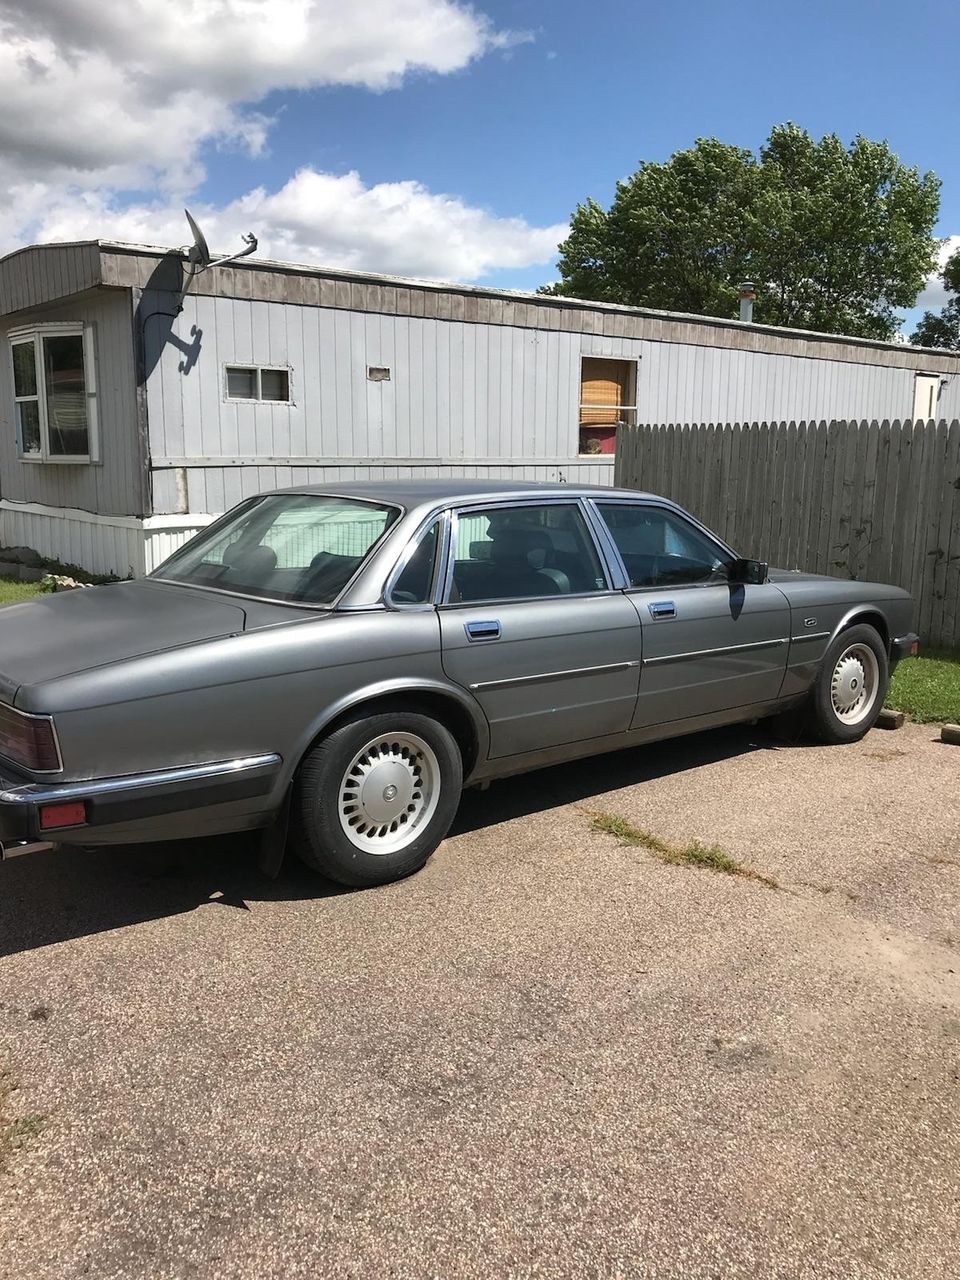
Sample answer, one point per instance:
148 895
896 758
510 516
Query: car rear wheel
374 799
852 684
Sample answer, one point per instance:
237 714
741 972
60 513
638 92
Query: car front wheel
851 686
375 797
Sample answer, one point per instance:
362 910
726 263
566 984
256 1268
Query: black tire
852 647
419 761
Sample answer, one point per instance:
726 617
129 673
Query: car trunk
73 631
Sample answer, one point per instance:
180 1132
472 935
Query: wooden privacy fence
878 501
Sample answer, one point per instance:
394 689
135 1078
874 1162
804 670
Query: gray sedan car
339 662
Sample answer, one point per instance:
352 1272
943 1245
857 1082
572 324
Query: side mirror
747 571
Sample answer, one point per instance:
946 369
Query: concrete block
888 719
30 573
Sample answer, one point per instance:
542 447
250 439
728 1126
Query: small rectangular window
242 384
607 401
275 385
254 382
54 392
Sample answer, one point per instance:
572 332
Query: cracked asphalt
547 1054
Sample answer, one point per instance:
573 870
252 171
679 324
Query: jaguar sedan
335 664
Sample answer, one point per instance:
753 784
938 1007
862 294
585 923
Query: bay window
54 392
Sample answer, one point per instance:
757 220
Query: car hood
72 631
797 575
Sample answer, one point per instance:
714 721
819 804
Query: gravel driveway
548 1054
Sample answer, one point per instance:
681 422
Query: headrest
256 561
532 546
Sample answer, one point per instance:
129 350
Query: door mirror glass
747 571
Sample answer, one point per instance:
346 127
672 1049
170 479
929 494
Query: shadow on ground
70 893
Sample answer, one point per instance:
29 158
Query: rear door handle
486 630
662 609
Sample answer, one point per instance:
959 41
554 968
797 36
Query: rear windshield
299 547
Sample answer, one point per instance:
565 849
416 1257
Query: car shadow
68 893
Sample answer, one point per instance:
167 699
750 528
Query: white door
926 392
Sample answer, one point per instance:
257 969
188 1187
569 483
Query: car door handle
662 609
486 630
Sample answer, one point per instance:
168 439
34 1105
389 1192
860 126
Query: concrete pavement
545 1055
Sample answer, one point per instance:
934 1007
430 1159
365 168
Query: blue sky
513 111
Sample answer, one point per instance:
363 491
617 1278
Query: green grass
11 591
710 857
927 688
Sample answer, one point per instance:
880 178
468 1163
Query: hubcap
389 793
855 683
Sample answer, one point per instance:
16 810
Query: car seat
521 559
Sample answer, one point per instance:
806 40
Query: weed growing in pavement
694 854
15 1133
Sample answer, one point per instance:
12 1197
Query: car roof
417 493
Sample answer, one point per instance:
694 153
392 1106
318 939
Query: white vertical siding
116 484
679 383
463 398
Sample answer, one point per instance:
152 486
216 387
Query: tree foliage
835 237
943 330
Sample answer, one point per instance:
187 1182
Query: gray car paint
148 676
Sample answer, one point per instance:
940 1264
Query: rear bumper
904 647
139 806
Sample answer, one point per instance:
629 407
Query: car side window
414 582
661 549
514 553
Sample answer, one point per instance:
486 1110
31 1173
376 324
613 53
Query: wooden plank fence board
872 500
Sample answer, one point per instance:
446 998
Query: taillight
29 741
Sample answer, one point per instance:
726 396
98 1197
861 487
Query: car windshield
300 547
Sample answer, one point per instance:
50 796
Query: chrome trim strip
812 635
135 781
712 653
540 677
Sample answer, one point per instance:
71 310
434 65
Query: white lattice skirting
122 545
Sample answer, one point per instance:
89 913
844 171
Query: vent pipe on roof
747 295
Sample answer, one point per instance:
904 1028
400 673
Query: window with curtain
607 400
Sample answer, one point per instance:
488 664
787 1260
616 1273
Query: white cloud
935 296
102 101
398 227
129 90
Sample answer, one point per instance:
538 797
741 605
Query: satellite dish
198 255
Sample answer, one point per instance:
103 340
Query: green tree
835 238
943 330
